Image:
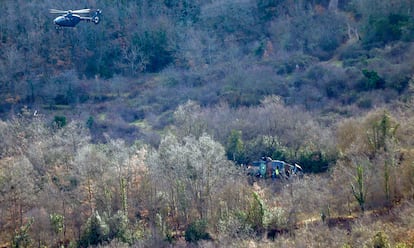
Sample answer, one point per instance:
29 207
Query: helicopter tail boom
95 18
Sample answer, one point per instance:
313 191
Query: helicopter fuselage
68 20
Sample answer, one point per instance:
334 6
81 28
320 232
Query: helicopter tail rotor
96 18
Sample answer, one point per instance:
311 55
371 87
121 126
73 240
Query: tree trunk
333 5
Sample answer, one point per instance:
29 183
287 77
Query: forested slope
146 58
136 131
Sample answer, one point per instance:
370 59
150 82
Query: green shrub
380 241
57 222
59 121
118 227
235 147
255 214
197 231
372 80
314 161
388 28
156 46
96 231
22 237
90 122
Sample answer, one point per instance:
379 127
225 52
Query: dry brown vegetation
57 187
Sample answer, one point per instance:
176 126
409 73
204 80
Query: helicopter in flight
71 18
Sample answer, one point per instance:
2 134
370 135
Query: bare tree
191 173
18 194
333 5
188 120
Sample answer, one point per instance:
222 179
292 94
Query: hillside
140 128
145 59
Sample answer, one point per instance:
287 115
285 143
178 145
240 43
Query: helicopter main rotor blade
56 11
81 11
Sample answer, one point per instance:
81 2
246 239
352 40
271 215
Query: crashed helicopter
266 167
